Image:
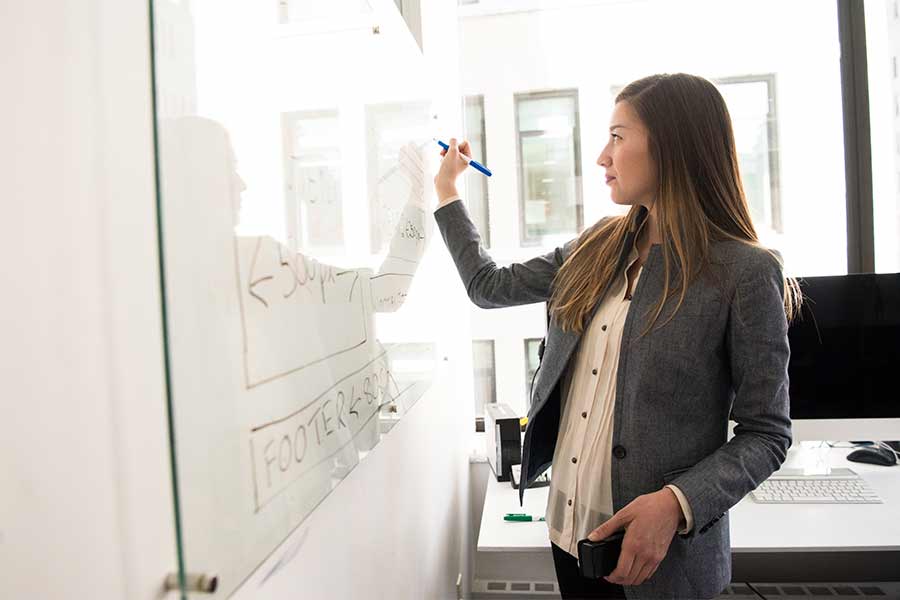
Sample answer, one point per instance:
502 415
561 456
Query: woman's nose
603 160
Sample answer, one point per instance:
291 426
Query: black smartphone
599 559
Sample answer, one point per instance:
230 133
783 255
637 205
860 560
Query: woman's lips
610 180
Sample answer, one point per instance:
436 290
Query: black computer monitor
845 356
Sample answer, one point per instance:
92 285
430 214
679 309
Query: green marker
523 517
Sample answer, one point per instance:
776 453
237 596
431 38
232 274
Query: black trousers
572 586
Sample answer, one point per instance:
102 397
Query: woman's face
630 172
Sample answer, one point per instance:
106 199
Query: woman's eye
615 137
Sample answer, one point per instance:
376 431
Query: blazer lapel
563 343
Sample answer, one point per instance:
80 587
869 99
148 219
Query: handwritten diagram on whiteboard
276 360
295 300
293 232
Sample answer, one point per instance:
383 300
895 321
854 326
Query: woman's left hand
650 522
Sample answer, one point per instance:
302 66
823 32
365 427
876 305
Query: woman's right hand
451 166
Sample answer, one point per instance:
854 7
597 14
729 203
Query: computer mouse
873 455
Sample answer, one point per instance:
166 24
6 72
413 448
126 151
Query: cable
755 591
888 448
843 445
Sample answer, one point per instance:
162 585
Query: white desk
853 542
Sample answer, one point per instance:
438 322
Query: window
751 104
476 183
484 376
549 157
883 46
797 186
312 164
531 365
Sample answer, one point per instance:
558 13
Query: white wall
85 508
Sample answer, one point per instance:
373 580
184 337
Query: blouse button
593 371
604 327
574 460
570 502
584 415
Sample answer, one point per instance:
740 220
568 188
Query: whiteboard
292 205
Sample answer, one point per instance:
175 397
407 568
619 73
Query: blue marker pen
472 163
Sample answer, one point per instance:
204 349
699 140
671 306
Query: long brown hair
699 199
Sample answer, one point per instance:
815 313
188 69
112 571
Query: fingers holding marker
456 151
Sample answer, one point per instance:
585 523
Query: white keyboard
791 486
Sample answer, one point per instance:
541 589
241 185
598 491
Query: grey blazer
724 354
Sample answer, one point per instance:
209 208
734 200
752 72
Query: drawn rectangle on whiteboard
284 450
295 312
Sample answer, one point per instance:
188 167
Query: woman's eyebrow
617 127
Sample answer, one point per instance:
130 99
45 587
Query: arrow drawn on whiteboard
254 283
254 294
353 286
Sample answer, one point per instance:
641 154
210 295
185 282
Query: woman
664 323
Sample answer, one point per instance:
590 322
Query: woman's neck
650 231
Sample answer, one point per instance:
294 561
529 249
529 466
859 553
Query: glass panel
883 45
549 157
292 206
483 374
477 183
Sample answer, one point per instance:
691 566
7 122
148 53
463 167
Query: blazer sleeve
758 349
488 285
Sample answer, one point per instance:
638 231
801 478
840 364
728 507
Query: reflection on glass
411 366
484 376
280 382
532 360
476 183
389 127
550 165
313 171
883 46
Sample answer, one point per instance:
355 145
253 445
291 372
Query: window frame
493 354
529 377
857 137
478 100
526 241
771 140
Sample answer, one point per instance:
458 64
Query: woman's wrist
447 196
